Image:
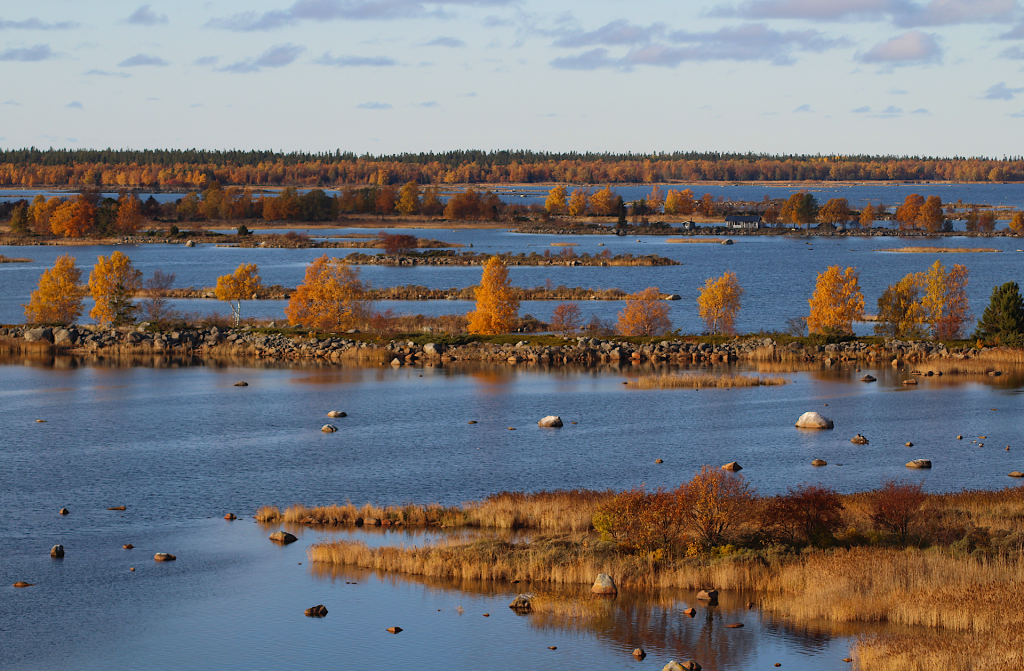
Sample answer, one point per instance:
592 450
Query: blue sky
923 77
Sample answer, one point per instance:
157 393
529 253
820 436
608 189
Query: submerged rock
639 653
521 603
813 420
241 383
868 378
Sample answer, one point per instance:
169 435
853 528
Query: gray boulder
39 334
604 585
283 537
813 420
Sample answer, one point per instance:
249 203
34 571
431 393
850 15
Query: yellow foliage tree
930 216
496 309
900 313
238 286
603 202
867 216
555 203
655 200
837 301
719 302
945 300
331 298
645 314
60 218
409 199
113 283
835 211
58 299
679 202
578 203
1017 223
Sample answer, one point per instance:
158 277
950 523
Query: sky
904 77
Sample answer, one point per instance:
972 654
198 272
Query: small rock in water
40 421
328 428
959 437
164 556
813 420
691 611
487 614
732 466
57 552
242 383
659 461
472 421
819 462
734 625
868 378
552 647
283 537
394 630
337 413
919 463
521 603
230 516
708 595
64 511
1016 474
317 611
128 546
639 653
908 444
859 440
22 583
117 508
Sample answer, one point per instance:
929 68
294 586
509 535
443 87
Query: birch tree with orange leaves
945 300
330 298
113 283
497 311
237 287
58 298
837 302
1017 223
555 202
129 214
718 303
645 314
578 203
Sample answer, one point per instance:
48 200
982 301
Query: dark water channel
179 447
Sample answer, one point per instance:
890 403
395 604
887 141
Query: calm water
181 446
778 273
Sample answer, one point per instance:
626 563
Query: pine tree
1003 319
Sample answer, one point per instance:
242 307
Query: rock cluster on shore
258 343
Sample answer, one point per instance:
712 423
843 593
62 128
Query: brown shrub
896 507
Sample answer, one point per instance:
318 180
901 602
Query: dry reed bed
691 241
13 259
555 511
701 380
939 250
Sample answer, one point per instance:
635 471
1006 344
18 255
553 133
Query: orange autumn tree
645 314
58 299
867 216
331 297
837 302
578 203
129 214
566 319
907 213
238 286
113 283
719 302
497 311
1017 223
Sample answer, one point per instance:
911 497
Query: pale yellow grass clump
699 380
939 250
712 241
564 244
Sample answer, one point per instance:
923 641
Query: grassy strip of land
714 241
9 259
939 250
955 575
699 380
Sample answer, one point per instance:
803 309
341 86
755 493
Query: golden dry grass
564 244
683 241
939 250
702 380
13 259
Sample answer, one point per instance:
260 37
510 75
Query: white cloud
276 56
1000 91
861 110
39 52
74 105
144 16
373 106
345 10
142 59
37 24
355 61
450 42
106 73
803 108
903 13
911 48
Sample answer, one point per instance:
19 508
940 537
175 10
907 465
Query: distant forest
193 168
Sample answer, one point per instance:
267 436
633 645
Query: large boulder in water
604 585
283 537
919 463
813 420
551 421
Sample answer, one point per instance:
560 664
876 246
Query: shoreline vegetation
8 259
938 250
412 292
947 565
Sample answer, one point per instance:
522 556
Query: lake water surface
180 447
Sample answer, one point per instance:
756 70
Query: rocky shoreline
249 343
448 258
